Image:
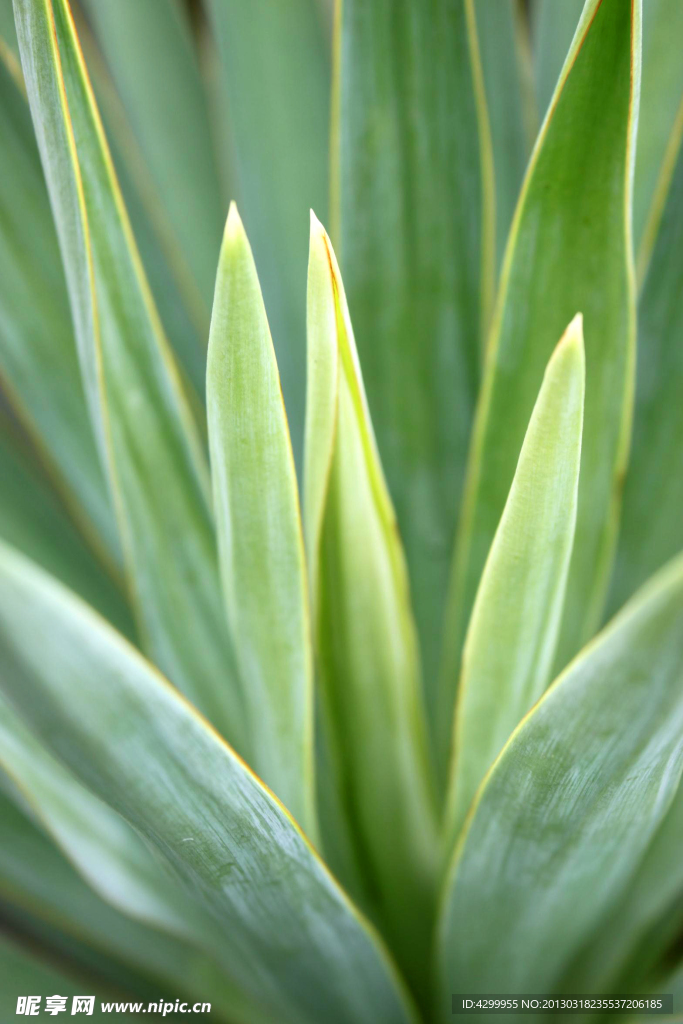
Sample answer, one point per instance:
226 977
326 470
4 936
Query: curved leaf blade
570 806
510 645
259 530
569 250
366 646
411 219
148 441
286 934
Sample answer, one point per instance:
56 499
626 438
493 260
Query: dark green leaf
409 213
276 69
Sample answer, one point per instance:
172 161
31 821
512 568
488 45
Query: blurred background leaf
412 222
276 76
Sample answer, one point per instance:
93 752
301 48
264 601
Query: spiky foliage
317 714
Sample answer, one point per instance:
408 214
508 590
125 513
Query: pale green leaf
373 718
511 639
286 933
411 221
147 438
149 49
570 806
652 523
38 360
569 249
276 75
259 530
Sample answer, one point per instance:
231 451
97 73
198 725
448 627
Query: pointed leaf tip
571 344
233 226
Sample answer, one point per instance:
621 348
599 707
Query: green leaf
151 448
35 877
259 530
412 224
569 250
102 847
553 30
33 519
183 311
651 526
276 75
150 52
23 973
288 936
633 938
8 35
570 806
660 124
38 360
365 636
496 33
511 639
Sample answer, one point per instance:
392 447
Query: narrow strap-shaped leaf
38 359
289 937
628 945
502 78
554 26
149 48
569 250
570 806
183 311
652 524
660 123
275 63
511 639
412 224
259 530
102 847
148 441
366 644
